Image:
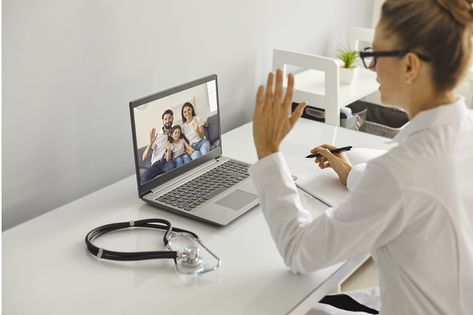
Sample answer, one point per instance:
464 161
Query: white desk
47 269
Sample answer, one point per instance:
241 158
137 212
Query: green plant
347 56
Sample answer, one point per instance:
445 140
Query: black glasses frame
368 52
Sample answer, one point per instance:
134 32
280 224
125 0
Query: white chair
318 85
359 34
319 82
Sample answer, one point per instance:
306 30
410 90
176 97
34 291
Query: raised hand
271 119
195 124
149 148
152 136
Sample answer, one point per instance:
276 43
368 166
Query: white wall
70 67
376 12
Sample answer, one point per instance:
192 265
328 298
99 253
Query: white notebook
324 184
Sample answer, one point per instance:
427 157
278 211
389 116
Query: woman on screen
193 126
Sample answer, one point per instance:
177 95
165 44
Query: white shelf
311 83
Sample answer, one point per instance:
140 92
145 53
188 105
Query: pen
338 150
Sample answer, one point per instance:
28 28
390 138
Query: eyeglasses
369 56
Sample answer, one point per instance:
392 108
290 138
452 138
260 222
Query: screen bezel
145 188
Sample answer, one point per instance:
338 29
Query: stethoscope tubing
155 223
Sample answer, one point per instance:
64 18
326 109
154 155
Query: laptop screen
175 129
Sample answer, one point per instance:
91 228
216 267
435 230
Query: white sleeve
355 175
368 218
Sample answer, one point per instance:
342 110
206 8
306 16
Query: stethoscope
187 261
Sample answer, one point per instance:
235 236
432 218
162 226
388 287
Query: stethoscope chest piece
193 257
190 257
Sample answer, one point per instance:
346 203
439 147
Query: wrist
264 153
346 172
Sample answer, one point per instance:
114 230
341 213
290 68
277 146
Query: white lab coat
411 208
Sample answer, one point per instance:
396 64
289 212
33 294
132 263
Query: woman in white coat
411 208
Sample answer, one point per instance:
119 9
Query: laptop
178 155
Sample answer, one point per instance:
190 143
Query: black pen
338 150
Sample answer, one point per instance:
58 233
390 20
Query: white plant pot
347 75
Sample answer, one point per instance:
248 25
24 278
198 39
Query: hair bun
460 10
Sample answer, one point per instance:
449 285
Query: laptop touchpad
237 199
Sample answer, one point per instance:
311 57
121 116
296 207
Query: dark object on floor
347 303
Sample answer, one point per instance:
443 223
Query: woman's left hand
271 119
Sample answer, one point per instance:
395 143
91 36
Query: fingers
271 95
278 88
289 92
152 135
268 99
323 163
325 152
322 146
259 100
327 158
321 160
297 113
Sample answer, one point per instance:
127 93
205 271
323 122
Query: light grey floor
365 276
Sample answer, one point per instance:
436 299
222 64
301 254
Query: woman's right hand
338 162
195 124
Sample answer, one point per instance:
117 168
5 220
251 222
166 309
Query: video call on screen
175 130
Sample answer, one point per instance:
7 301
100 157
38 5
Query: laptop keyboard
206 186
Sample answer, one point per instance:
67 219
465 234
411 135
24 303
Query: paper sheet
324 184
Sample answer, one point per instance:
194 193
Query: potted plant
348 69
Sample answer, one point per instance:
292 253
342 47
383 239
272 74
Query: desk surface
47 270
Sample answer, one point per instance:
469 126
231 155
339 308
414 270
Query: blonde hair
440 29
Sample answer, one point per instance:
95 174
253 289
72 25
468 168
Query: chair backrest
212 132
146 163
359 34
328 99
